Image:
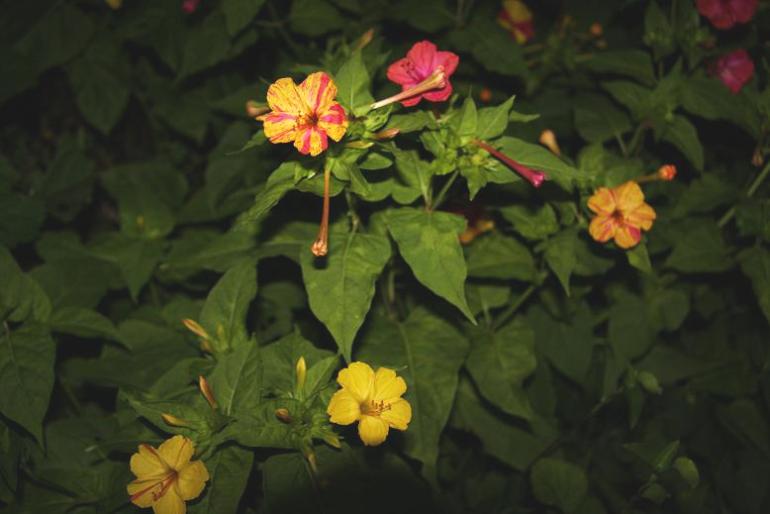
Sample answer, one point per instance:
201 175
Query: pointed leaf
224 313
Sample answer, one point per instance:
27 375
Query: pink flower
734 69
190 6
723 14
424 65
534 177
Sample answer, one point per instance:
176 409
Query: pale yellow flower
166 477
372 399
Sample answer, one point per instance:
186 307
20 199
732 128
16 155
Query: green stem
511 310
749 193
440 198
636 139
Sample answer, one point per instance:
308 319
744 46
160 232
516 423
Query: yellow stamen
437 80
374 408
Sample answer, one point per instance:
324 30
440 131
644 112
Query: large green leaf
428 353
492 121
540 159
683 135
429 243
700 249
136 258
341 286
239 13
26 375
499 361
559 483
229 469
497 256
755 264
224 313
280 182
237 379
560 254
353 84
21 297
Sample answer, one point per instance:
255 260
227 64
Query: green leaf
101 87
353 84
412 122
21 217
559 483
700 249
414 171
314 17
491 46
229 469
635 64
136 258
560 255
429 243
21 298
497 256
755 264
568 344
637 98
341 286
465 120
683 135
207 44
540 159
500 438
83 322
280 360
709 98
68 181
224 313
629 330
492 121
533 224
26 375
658 33
639 258
411 347
597 119
237 379
280 182
239 13
500 361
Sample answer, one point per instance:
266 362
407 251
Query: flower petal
399 415
318 91
627 236
439 95
603 228
311 141
628 196
191 480
403 72
280 127
449 61
372 430
334 121
147 463
141 491
343 408
423 58
283 96
358 380
602 202
176 452
641 217
387 385
169 503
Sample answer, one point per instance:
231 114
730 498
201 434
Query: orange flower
621 214
304 114
667 172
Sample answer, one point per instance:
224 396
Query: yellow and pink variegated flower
621 214
304 114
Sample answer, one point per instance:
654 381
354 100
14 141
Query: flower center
618 216
158 489
308 120
374 408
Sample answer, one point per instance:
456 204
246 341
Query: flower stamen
436 80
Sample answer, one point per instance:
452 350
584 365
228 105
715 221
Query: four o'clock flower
304 114
534 177
423 73
166 477
724 14
371 398
516 18
734 69
621 214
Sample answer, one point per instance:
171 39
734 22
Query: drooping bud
364 40
534 177
173 421
255 109
667 172
548 139
596 29
301 372
283 415
485 95
205 389
387 134
320 246
436 80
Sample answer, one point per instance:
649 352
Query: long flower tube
320 246
534 177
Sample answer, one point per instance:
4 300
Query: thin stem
441 194
511 310
749 193
621 144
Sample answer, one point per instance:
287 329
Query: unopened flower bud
195 328
173 421
485 95
548 139
114 4
387 134
667 172
332 440
254 109
359 145
205 389
757 159
596 29
365 39
649 382
301 370
283 415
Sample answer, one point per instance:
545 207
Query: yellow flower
621 213
372 399
165 477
